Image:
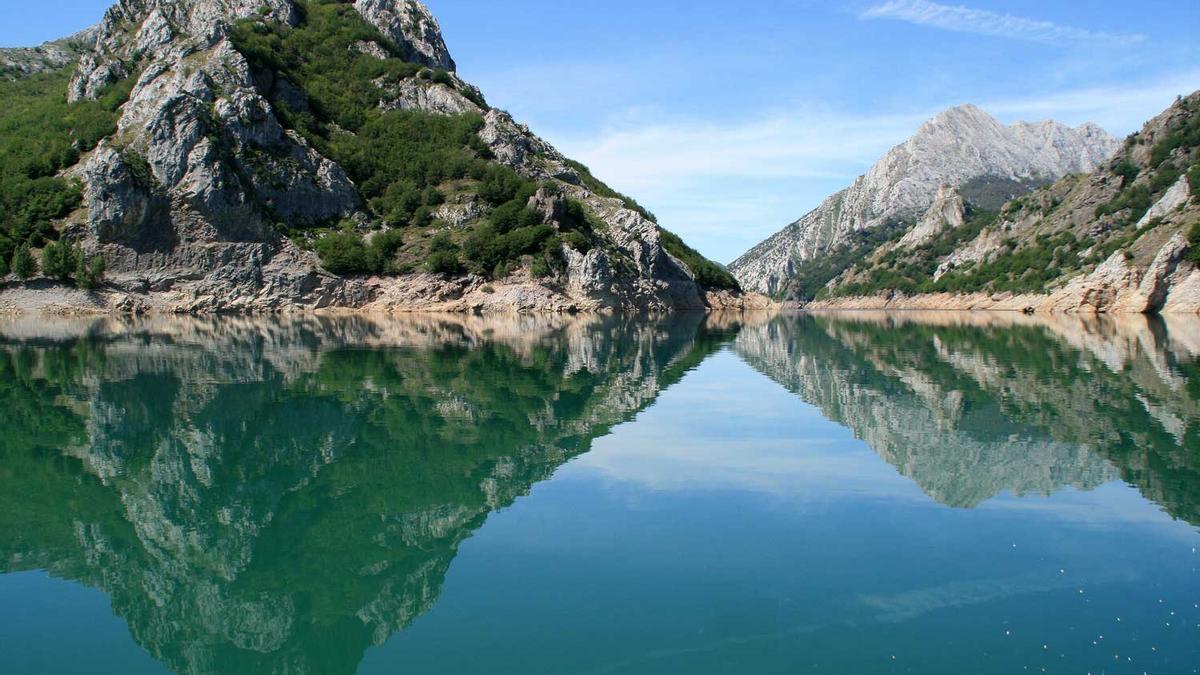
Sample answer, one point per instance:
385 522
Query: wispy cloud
983 22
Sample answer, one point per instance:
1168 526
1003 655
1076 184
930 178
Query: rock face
189 200
410 25
959 147
947 213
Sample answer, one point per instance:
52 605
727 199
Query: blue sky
730 120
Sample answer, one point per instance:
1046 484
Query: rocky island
208 156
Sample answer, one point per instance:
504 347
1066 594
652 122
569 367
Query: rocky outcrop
947 213
411 27
957 147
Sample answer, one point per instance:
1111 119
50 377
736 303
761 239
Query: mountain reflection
972 405
278 495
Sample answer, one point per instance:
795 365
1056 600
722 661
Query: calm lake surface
862 493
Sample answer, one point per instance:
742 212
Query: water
864 494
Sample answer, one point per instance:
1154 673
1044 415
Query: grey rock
412 28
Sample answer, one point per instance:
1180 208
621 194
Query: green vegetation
400 160
22 262
406 163
708 274
1022 269
63 261
812 276
1194 242
90 273
40 135
1187 137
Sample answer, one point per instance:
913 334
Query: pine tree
22 263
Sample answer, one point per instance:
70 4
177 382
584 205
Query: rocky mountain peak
173 29
412 27
956 147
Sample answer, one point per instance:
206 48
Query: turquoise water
856 494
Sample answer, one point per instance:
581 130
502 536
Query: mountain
963 147
261 155
1125 238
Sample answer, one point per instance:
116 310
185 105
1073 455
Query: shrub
1194 182
1194 241
60 260
343 253
444 262
577 241
1127 171
22 263
381 253
90 273
540 269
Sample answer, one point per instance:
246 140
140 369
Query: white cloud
982 22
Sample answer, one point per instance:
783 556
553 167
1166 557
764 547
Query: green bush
1194 242
22 263
487 249
40 135
577 240
343 253
1194 182
540 269
1127 170
89 274
444 262
60 260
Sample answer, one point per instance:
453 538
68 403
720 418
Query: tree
60 259
22 263
90 273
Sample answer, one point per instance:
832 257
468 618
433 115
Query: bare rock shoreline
418 293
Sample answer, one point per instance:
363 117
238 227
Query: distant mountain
1125 238
964 148
262 155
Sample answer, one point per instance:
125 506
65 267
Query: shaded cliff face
970 407
252 129
964 148
278 497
